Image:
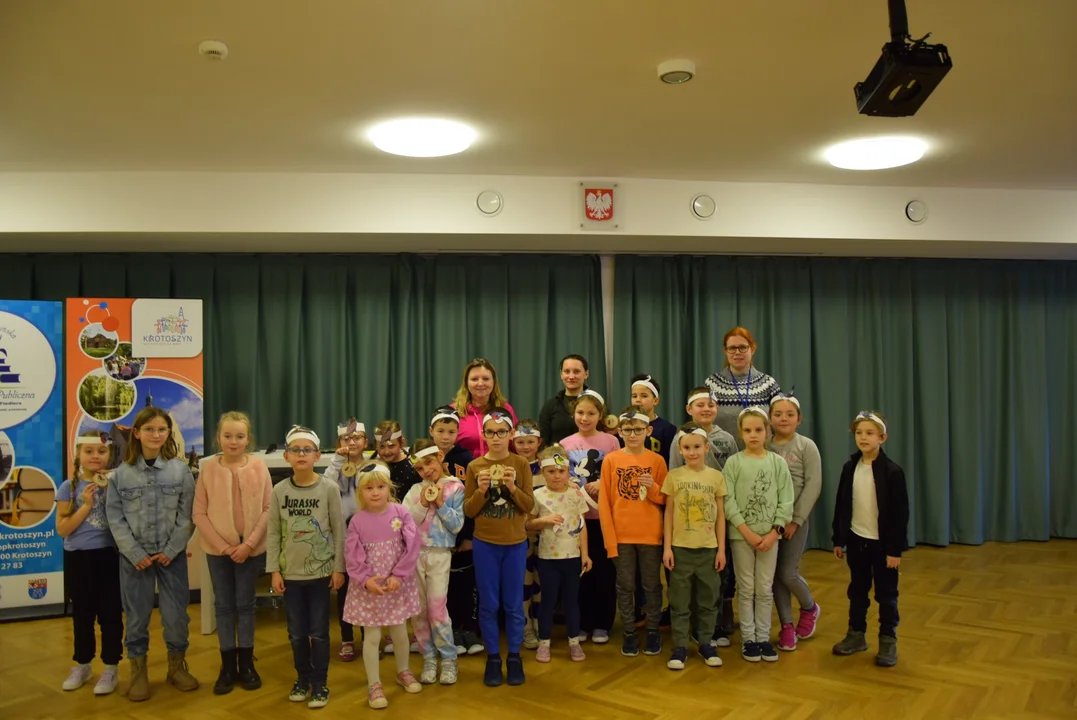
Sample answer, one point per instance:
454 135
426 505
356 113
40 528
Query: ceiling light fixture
422 137
876 153
676 72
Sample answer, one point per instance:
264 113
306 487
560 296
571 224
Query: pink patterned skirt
392 608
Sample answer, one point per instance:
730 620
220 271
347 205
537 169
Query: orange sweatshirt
625 517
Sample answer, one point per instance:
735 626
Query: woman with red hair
738 385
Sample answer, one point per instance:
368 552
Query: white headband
296 434
866 415
699 431
527 432
444 416
646 382
753 410
635 417
376 468
790 398
698 396
498 417
419 455
555 461
342 430
393 436
101 439
593 394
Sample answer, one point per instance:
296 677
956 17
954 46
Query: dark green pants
694 592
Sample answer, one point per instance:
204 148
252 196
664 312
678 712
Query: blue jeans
307 603
499 576
559 577
137 590
233 598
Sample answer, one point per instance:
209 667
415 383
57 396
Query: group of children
424 533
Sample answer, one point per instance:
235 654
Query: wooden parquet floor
986 632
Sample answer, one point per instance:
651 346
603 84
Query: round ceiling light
876 153
676 72
422 137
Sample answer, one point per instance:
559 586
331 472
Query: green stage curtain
972 362
312 339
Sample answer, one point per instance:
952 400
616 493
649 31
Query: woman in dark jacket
555 419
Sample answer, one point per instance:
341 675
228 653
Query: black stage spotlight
908 71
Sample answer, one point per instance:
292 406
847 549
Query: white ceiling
557 87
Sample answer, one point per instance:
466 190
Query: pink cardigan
213 506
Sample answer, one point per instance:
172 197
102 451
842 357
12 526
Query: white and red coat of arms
598 204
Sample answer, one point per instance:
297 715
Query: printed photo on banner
31 431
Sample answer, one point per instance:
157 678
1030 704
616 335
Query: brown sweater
499 524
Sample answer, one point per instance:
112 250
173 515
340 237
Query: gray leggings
788 581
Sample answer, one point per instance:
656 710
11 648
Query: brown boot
140 683
178 674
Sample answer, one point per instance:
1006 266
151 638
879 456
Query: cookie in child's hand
497 473
431 492
100 480
349 469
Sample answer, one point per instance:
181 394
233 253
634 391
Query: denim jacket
149 509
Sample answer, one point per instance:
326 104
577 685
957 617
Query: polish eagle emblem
598 203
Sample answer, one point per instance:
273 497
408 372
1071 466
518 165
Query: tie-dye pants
433 629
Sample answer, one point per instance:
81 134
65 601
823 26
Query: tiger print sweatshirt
630 513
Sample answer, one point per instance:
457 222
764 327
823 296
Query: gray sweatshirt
722 447
305 533
806 470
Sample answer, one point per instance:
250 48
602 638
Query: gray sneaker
429 675
887 656
854 642
448 672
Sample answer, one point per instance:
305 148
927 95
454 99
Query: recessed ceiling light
676 72
422 137
876 153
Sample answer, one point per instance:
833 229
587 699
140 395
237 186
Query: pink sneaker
806 626
542 654
787 638
576 652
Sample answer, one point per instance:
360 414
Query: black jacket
555 419
893 499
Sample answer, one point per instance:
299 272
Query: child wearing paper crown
587 450
382 551
527 441
437 507
342 469
91 563
305 541
871 523
562 549
499 497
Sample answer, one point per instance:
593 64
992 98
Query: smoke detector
213 49
676 72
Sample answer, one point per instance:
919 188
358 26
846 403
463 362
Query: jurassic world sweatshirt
305 533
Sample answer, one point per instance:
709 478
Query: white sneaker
107 683
79 675
722 641
582 637
600 637
389 648
531 640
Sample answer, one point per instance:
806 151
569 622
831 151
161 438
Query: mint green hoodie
760 493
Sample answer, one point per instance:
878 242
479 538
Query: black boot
728 624
227 677
248 676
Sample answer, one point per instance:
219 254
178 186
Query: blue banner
31 442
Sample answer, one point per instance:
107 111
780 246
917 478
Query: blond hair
368 475
240 417
463 395
554 449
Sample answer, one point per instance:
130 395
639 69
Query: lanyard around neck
747 386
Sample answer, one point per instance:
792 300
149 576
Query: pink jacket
470 437
213 512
